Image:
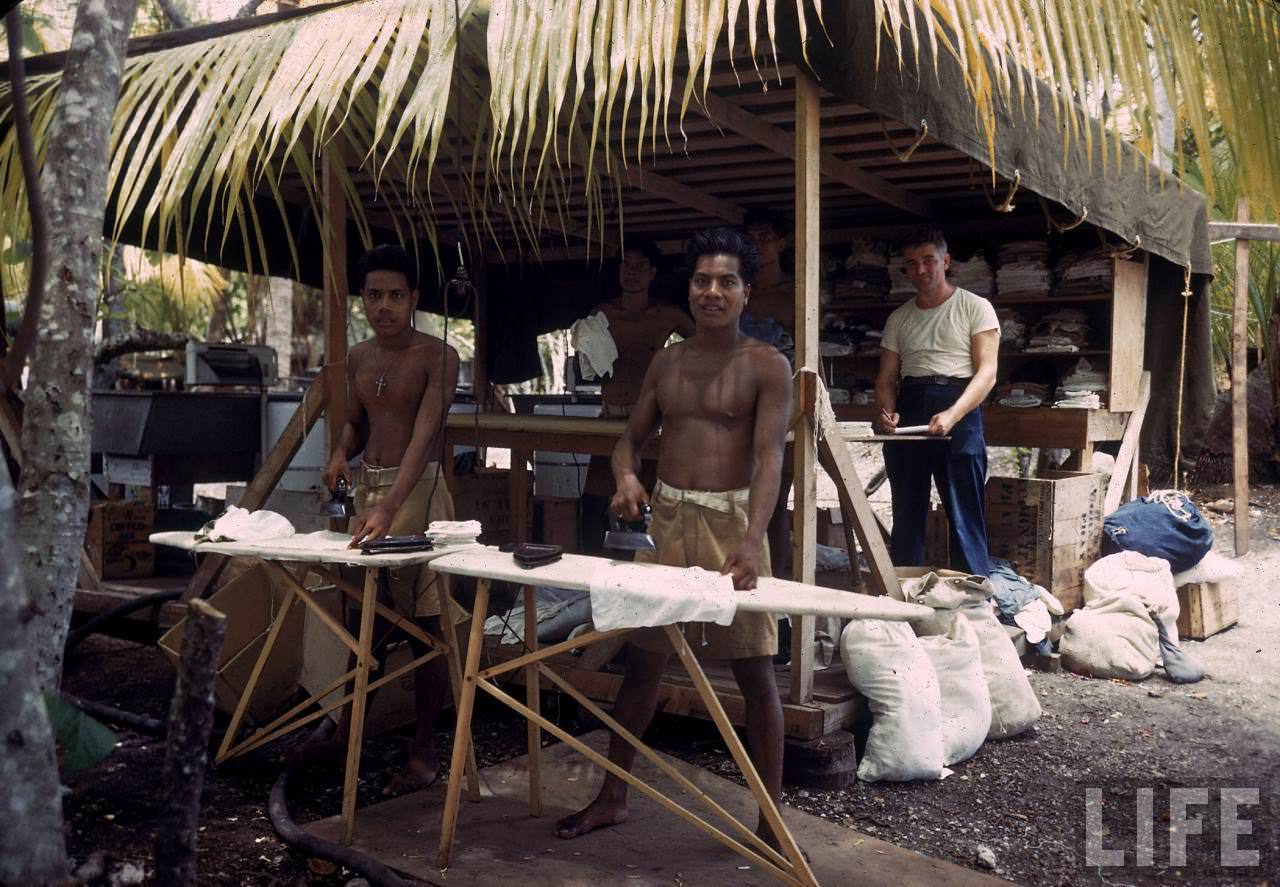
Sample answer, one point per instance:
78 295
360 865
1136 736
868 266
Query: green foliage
82 741
1264 258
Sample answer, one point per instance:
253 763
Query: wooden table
575 572
275 556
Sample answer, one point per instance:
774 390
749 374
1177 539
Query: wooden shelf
889 305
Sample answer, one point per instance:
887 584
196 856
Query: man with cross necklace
400 384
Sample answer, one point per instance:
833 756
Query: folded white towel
625 595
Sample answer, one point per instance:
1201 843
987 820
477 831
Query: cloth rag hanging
594 345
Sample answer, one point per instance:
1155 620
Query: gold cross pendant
379 385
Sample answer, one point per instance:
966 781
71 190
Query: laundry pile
1085 273
448 533
1066 329
1021 394
1082 388
1024 270
863 275
900 286
1013 329
974 274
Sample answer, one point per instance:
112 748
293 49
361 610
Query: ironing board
575 572
317 553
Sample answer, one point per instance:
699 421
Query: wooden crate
556 521
1206 608
116 539
484 496
1049 527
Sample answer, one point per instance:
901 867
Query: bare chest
719 392
391 381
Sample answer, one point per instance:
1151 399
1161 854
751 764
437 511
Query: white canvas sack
886 664
966 706
1111 637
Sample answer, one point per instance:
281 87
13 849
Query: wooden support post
1240 390
518 491
335 295
804 528
533 699
314 402
1124 474
187 745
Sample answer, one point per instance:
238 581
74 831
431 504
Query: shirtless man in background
640 326
723 400
400 384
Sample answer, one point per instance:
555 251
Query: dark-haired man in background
944 345
399 387
640 326
723 400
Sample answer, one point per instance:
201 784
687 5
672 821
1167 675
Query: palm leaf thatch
1143 64
523 119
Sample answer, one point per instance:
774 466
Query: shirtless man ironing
723 400
399 387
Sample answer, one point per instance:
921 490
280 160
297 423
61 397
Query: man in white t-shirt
937 366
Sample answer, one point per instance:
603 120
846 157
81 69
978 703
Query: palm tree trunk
53 494
32 850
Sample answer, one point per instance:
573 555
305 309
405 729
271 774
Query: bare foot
597 814
419 773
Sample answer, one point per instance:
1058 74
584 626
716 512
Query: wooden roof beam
782 142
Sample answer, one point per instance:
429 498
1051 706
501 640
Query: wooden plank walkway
499 842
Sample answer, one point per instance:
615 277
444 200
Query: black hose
137 723
94 625
876 482
377 874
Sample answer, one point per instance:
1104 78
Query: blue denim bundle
1166 525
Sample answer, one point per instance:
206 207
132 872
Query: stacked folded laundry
1024 270
446 533
975 275
1066 329
862 275
900 286
1082 388
1013 329
1022 394
1085 273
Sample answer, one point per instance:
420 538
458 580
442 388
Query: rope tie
1126 252
904 156
1182 369
1061 227
1006 205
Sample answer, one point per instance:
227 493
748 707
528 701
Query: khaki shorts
413 589
696 528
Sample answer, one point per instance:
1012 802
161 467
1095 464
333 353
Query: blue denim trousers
959 468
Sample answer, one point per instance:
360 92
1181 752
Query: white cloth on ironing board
625 595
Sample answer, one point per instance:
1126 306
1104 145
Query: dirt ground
1018 804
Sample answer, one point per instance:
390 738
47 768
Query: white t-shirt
938 341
